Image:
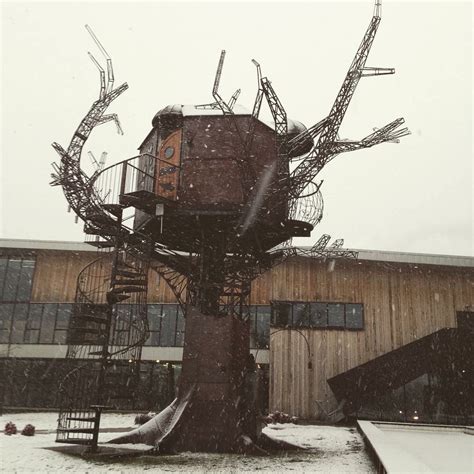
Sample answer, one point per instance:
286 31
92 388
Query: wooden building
311 320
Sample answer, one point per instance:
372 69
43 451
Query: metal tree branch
328 146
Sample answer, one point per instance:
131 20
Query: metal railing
128 176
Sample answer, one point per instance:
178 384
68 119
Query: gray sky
415 196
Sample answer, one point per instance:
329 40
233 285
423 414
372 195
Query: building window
354 316
6 313
336 316
154 324
34 323
317 315
169 152
16 279
48 323
166 324
260 327
282 314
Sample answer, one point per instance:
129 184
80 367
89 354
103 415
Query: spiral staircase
109 323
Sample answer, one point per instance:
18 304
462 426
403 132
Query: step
136 196
100 218
125 266
127 289
100 244
129 274
77 430
113 298
80 418
92 319
105 230
115 209
130 282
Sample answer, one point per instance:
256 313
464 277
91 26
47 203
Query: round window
169 152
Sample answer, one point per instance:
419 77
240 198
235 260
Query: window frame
344 327
21 259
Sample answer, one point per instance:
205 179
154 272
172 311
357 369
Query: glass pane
34 316
60 336
281 314
121 338
180 325
11 281
32 336
354 316
3 269
154 317
122 319
168 325
319 315
253 328
47 326
63 316
417 401
153 339
20 317
335 315
263 326
6 312
26 280
300 314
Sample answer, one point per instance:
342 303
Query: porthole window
169 152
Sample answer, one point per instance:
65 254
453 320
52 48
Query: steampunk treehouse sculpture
208 204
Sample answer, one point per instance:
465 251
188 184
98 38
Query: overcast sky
415 196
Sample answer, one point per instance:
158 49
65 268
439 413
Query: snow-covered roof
195 110
46 245
364 254
190 110
294 126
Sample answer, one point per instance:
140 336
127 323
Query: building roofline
413 258
46 245
364 254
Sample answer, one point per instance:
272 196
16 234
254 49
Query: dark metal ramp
390 371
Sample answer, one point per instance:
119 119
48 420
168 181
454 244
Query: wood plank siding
56 272
402 302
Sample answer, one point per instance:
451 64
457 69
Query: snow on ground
49 420
330 449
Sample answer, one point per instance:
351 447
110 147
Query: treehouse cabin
202 169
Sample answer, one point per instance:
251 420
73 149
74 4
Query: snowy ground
331 449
